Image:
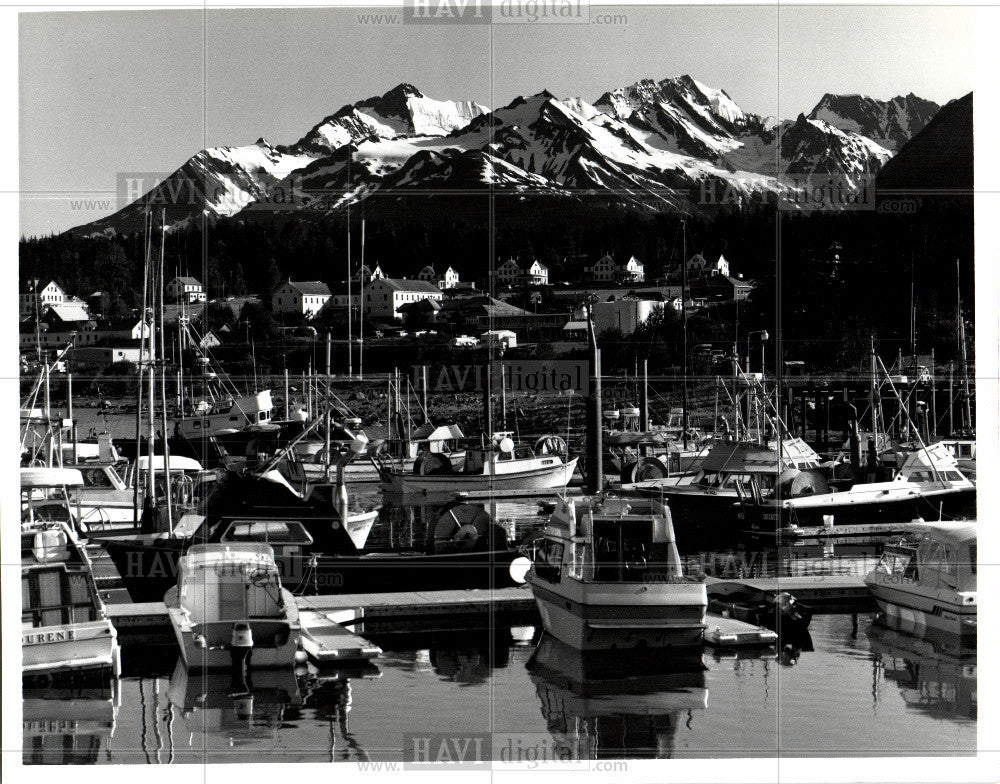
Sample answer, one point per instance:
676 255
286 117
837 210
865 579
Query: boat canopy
946 555
50 477
937 455
177 463
746 458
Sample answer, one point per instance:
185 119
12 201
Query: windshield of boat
624 551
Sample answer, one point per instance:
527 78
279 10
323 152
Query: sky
104 92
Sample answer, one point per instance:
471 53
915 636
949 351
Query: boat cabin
614 541
236 583
57 587
48 494
935 555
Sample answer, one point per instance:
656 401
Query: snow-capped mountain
673 145
889 123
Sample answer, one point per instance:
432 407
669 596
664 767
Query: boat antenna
684 317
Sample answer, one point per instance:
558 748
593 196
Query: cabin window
972 557
523 452
548 560
283 531
95 477
53 597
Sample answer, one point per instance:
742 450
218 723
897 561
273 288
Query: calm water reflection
848 688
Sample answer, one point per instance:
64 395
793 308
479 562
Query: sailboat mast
163 382
684 316
350 309
361 325
151 379
142 363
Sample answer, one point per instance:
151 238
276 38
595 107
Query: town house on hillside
448 280
52 294
187 288
302 298
508 273
606 270
384 296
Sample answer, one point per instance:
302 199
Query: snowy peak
402 111
890 123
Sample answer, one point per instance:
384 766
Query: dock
723 632
424 611
823 592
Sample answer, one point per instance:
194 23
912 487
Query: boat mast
967 408
350 309
142 348
685 320
361 324
163 381
151 385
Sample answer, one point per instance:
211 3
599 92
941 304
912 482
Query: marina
499 431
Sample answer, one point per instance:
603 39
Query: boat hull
545 478
924 612
591 617
69 648
953 504
207 646
149 568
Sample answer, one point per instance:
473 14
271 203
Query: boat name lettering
41 637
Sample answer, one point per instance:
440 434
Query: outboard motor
241 651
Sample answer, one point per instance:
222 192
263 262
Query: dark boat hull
149 569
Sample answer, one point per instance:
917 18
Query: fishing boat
107 497
929 485
226 415
225 591
498 467
315 553
714 491
926 583
607 574
64 623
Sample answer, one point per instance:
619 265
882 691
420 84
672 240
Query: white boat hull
92 645
924 612
207 646
545 478
621 616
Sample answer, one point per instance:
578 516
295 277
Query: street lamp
763 339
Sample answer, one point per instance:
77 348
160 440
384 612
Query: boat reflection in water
937 678
69 726
618 704
209 705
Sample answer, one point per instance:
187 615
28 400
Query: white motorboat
107 497
926 584
64 623
502 466
230 595
607 575
227 415
929 485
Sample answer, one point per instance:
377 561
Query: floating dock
723 632
823 592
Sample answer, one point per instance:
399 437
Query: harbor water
851 688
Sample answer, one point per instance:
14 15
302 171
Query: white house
508 273
500 338
624 315
449 280
369 274
304 297
537 274
187 288
383 296
52 294
721 266
632 271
